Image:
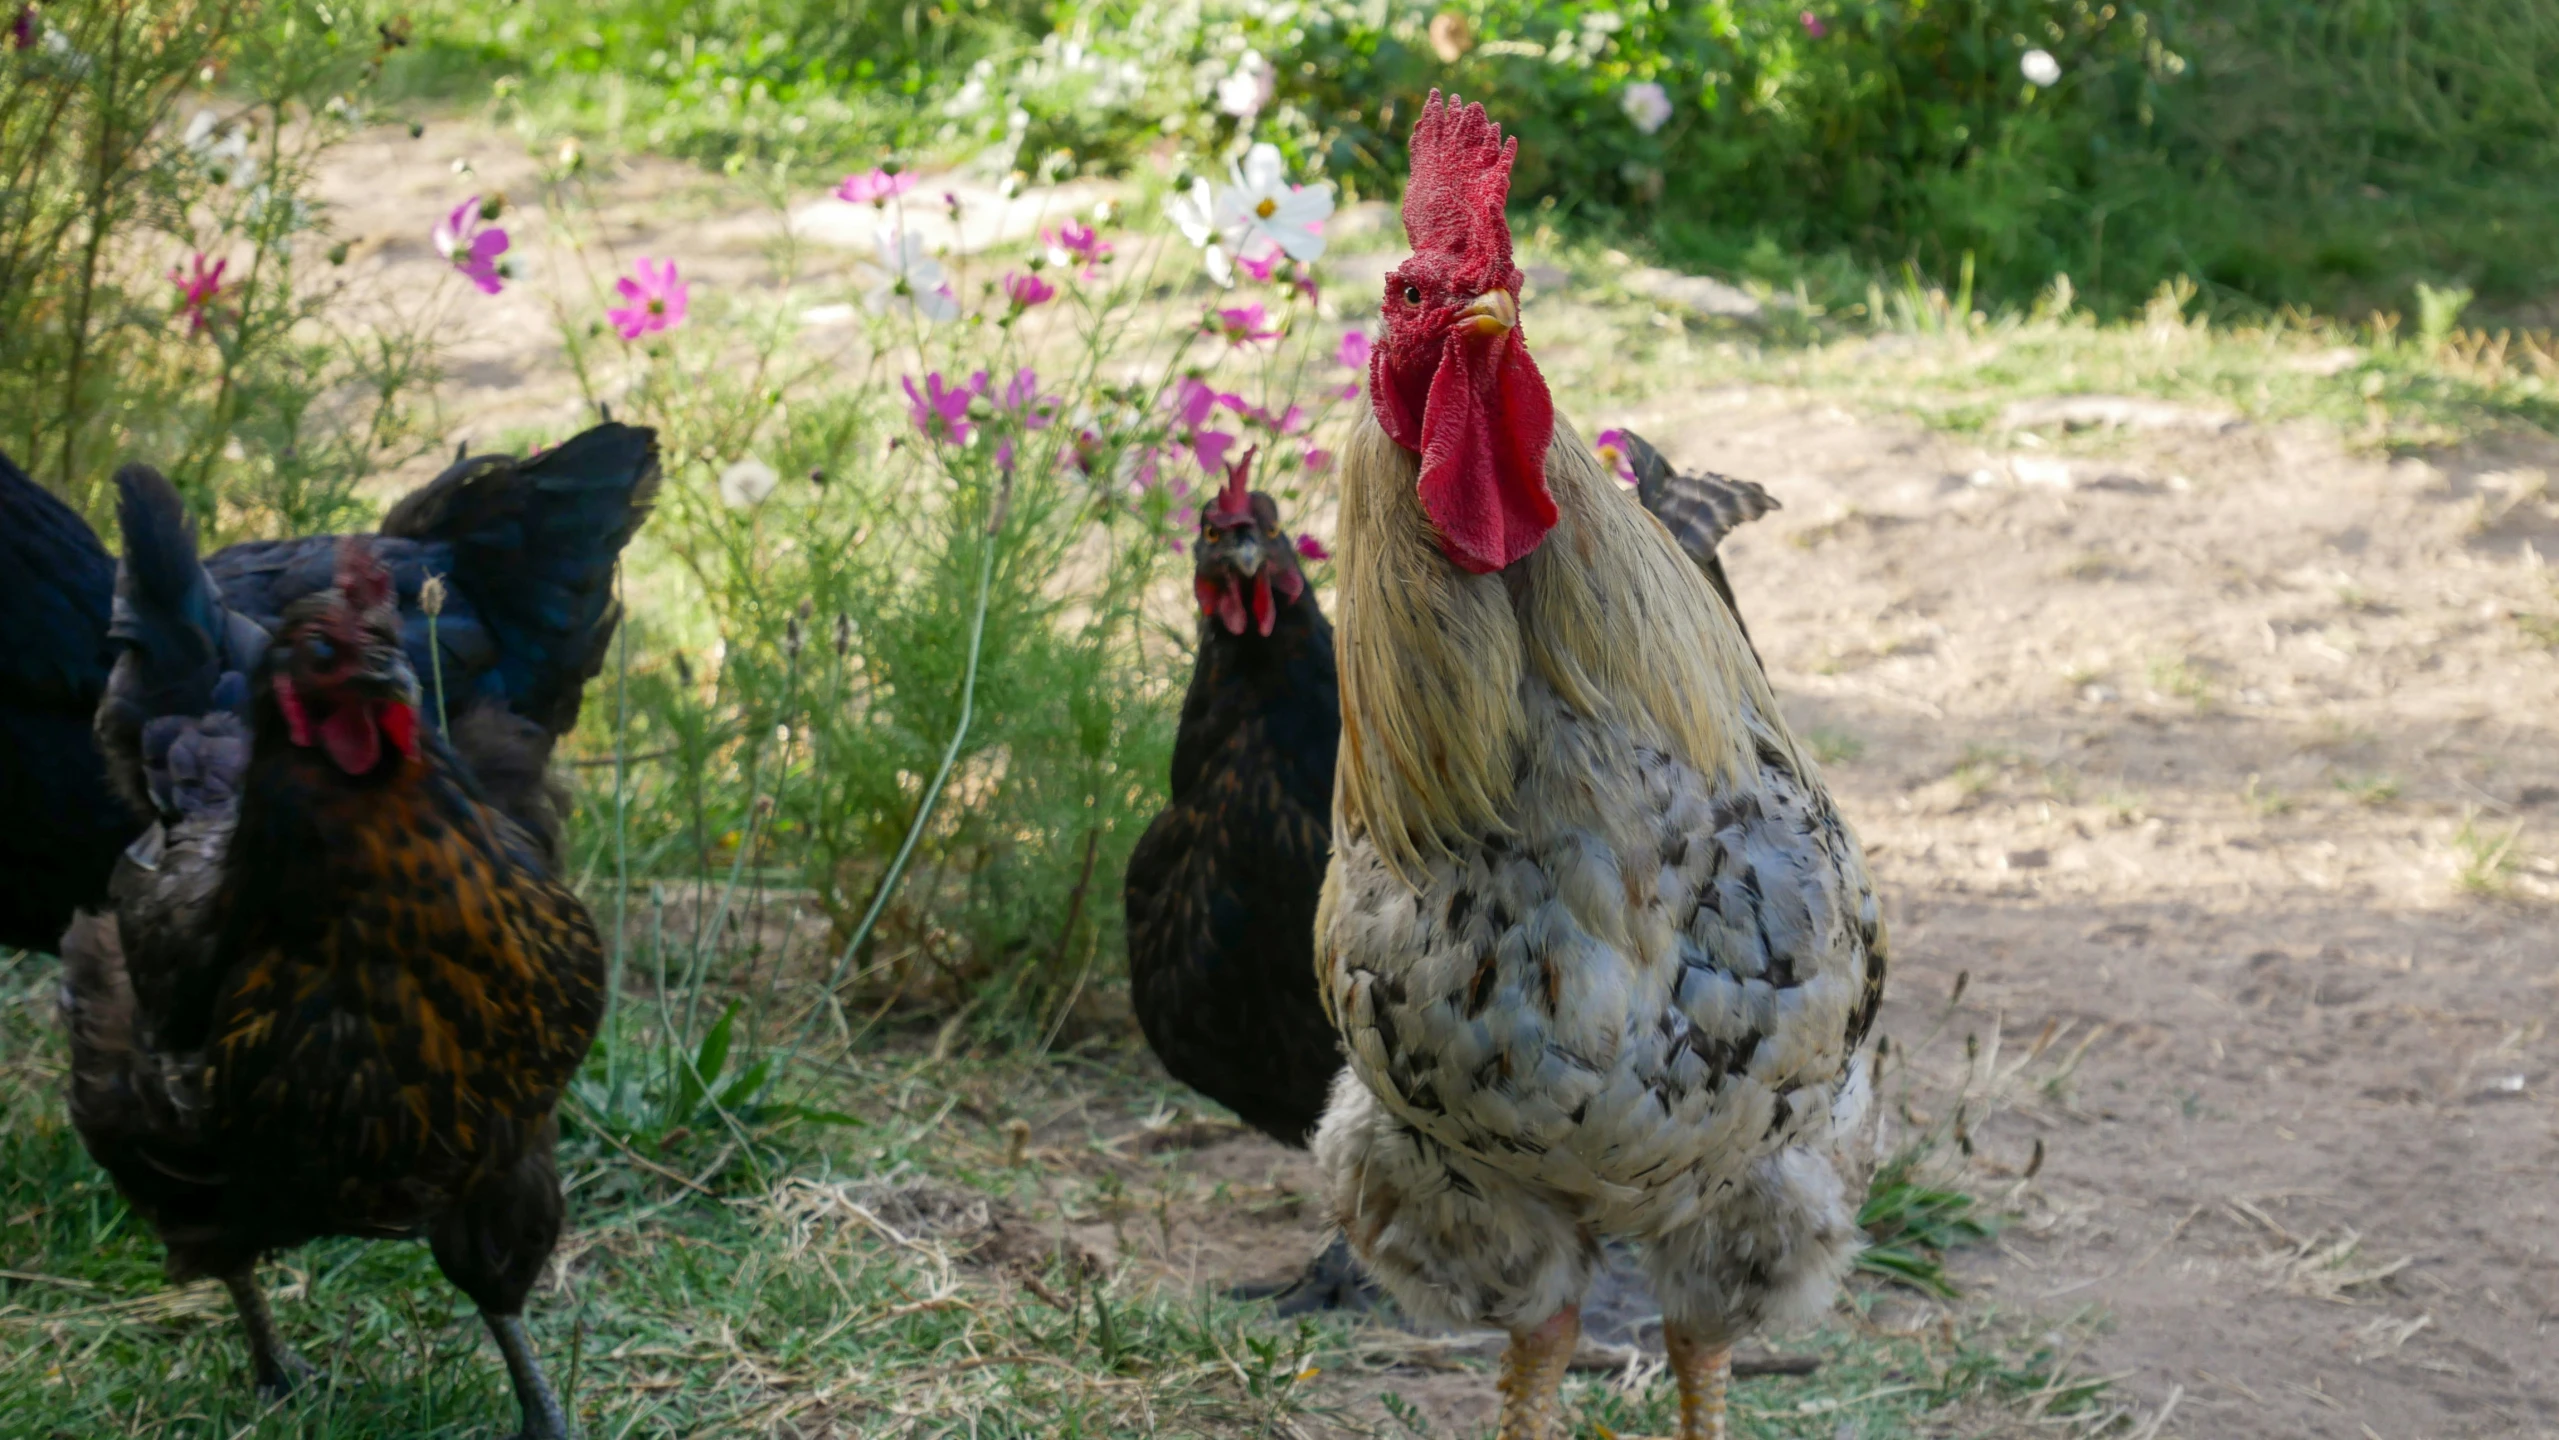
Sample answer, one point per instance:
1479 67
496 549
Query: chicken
526 548
1603 955
1221 888
60 826
340 990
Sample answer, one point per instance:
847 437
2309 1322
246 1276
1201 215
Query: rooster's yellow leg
1704 1372
1533 1377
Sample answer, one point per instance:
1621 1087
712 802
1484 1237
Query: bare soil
2218 757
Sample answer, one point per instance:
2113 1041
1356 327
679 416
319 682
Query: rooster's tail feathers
1699 510
534 545
177 639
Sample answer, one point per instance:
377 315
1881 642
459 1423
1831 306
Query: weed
2179 677
2373 791
1834 746
2264 800
2485 863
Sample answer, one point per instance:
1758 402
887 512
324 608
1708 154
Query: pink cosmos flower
1022 399
1311 548
940 411
1242 325
656 300
1353 353
1209 448
470 248
198 291
1813 25
1260 268
1194 401
877 188
1317 462
1072 242
1004 456
1610 447
1026 291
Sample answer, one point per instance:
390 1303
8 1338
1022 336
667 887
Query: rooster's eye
320 651
1412 294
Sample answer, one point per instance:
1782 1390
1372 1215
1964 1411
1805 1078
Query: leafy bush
157 257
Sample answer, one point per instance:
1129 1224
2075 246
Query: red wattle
400 722
1484 435
352 738
1265 614
1230 607
297 723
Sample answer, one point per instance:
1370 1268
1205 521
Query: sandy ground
2167 741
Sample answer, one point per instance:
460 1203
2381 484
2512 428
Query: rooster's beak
1246 556
1492 313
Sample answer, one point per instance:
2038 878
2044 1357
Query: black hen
341 986
526 549
1222 888
60 826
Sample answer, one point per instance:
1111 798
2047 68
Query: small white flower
199 134
913 279
2039 67
1648 105
1244 93
1261 207
744 485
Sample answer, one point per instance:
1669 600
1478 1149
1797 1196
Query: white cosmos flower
1648 105
1259 206
744 485
2039 67
1244 93
914 279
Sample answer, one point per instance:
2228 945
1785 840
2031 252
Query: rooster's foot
543 1417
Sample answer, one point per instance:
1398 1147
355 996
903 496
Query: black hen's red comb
361 576
1234 504
1461 180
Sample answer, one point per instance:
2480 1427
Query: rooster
1221 889
1603 955
340 988
526 551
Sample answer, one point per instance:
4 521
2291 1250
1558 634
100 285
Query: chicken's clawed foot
1704 1372
1532 1377
279 1371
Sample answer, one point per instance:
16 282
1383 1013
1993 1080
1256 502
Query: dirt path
2173 742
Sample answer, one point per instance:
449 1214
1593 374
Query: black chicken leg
280 1371
1333 1280
543 1417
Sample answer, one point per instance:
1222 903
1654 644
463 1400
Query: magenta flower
1088 451
1317 462
1194 401
1242 325
1209 448
877 188
1004 456
656 301
940 412
22 31
1611 449
1353 354
1308 547
461 239
1260 269
198 291
1073 242
1026 291
1813 25
1022 399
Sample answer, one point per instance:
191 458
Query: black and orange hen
341 988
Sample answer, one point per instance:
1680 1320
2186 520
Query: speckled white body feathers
1634 1007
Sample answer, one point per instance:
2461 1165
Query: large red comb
361 576
1234 504
1461 179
